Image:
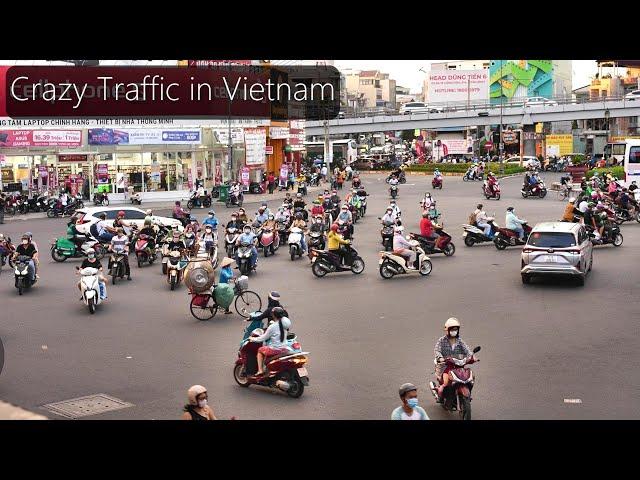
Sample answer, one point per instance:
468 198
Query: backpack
472 218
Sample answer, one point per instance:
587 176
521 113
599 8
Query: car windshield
552 239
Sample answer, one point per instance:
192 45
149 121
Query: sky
407 72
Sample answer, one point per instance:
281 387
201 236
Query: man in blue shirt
409 410
211 220
248 237
262 215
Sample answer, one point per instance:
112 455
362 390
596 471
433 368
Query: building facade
370 89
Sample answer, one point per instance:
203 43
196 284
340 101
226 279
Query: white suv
85 217
557 248
535 101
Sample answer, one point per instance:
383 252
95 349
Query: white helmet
399 229
451 322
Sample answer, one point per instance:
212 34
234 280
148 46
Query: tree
407 135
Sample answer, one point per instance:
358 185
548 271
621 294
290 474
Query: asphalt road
541 343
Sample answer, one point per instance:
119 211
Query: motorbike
284 371
144 253
302 188
232 200
295 243
269 241
324 261
21 271
116 266
473 234
63 248
393 191
175 267
440 245
58 210
90 288
611 236
230 239
7 250
202 202
626 215
401 178
392 264
256 187
315 180
488 193
387 237
538 190
283 232
10 206
316 240
362 195
469 176
303 211
457 395
136 198
190 243
436 182
244 258
509 238
101 199
356 183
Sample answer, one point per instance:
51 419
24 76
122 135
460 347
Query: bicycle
203 306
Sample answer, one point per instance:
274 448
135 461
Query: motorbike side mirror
379 218
476 350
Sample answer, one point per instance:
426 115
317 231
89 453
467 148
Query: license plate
302 372
550 259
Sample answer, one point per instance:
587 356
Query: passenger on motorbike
512 222
120 244
334 241
449 345
248 236
403 248
92 262
302 225
482 220
275 338
242 216
120 222
28 249
180 214
234 222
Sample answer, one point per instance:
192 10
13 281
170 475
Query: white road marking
572 400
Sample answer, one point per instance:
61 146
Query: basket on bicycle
242 284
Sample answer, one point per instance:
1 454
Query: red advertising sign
488 145
40 138
245 176
268 149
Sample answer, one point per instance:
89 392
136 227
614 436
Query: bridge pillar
529 149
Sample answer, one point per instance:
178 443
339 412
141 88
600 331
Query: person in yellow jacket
569 211
334 240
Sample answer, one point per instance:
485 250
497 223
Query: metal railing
474 106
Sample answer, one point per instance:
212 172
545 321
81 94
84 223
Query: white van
632 161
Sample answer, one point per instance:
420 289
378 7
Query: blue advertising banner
143 136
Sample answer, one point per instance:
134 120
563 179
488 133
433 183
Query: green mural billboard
514 79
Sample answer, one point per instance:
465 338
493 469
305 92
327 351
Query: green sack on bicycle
223 294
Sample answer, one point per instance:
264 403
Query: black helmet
278 312
299 216
406 388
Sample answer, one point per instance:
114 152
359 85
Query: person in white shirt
349 171
583 205
323 172
482 220
403 248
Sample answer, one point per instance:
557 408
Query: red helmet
334 227
121 213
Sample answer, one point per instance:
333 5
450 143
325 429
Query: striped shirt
444 349
119 243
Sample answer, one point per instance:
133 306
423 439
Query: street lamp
606 121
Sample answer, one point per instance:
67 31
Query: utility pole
229 140
327 149
500 144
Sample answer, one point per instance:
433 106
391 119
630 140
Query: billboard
451 147
559 145
143 136
458 86
511 79
40 138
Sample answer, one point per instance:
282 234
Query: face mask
210 216
412 402
91 257
233 219
25 242
453 333
202 403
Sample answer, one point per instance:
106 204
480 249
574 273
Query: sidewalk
11 412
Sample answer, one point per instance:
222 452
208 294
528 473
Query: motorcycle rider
28 249
403 248
334 241
409 410
150 231
234 193
393 182
317 208
287 199
426 227
249 237
74 235
449 345
299 202
120 244
180 214
176 242
512 222
208 239
105 231
261 216
482 220
281 216
242 216
273 302
570 211
270 223
346 216
302 225
92 262
589 220
275 338
427 200
396 209
492 181
335 198
234 222
389 217
211 220
198 408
